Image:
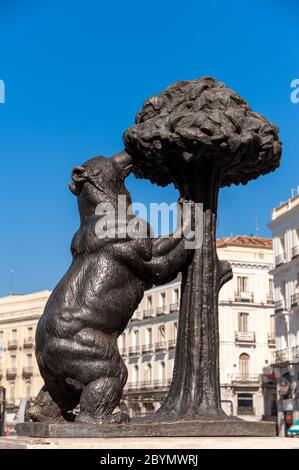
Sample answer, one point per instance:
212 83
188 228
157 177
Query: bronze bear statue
76 337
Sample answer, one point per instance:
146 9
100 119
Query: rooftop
245 241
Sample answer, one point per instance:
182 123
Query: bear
76 336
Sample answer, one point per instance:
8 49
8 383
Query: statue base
195 428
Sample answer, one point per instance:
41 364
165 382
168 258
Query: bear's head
101 179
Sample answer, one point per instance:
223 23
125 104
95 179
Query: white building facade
285 229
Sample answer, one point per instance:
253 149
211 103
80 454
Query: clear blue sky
76 72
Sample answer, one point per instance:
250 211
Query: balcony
281 356
295 251
270 299
11 373
161 383
295 300
161 310
134 350
28 343
245 337
160 346
12 344
149 313
174 307
148 348
27 372
172 343
136 316
279 260
145 385
279 306
271 339
244 296
123 352
246 379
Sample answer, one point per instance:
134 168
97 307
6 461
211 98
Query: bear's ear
73 189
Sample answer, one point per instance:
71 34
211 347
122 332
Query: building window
244 366
29 332
13 334
162 372
149 336
28 390
136 338
162 299
12 392
242 283
243 322
149 302
13 360
135 374
245 403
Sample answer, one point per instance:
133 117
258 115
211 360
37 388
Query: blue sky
77 72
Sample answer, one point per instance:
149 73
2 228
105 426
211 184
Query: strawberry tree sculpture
200 136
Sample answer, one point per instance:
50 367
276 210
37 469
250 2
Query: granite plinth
194 428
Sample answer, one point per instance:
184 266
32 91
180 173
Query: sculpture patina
200 136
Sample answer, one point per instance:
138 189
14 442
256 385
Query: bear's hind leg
98 400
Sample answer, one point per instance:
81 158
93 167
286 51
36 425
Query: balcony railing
282 356
247 378
161 310
295 251
11 373
27 372
279 306
149 313
146 384
174 307
161 383
160 346
148 348
172 343
271 339
12 344
134 350
280 259
270 299
28 342
295 300
244 296
245 336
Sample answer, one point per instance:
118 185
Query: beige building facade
247 338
